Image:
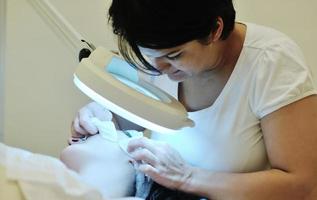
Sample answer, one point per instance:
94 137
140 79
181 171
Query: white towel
44 177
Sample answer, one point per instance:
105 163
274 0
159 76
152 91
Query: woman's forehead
157 52
164 52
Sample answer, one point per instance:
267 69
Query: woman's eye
174 57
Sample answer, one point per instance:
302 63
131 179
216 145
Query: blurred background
37 97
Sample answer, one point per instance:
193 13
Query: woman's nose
160 64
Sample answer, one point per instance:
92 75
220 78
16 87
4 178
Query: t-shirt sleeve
280 78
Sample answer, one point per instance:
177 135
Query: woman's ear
216 34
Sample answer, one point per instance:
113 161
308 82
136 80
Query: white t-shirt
270 73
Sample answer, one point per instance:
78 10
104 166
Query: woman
247 88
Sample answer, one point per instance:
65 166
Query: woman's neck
229 51
233 45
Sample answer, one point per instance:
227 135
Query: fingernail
74 140
135 164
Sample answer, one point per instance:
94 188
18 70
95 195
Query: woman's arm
290 136
102 164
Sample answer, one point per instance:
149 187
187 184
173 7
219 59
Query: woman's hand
161 162
83 126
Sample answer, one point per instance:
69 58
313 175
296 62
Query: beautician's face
181 62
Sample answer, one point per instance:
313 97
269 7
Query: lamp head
114 84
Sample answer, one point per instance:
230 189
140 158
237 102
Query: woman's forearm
272 184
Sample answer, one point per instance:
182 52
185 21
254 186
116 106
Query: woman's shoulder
270 48
266 38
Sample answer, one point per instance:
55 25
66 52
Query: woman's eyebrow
172 52
163 55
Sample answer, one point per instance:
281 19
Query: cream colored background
39 97
296 18
2 63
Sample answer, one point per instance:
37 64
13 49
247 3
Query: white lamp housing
114 84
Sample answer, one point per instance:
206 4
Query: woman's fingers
147 152
83 125
101 113
76 130
149 170
145 156
143 142
85 122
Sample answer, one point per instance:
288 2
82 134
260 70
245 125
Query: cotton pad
106 129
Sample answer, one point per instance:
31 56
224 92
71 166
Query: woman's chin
178 76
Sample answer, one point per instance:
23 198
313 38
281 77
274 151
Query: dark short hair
160 24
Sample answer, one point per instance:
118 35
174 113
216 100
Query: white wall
2 63
296 18
40 99
89 18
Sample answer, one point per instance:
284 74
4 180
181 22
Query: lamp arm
60 26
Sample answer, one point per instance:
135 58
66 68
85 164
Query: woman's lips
178 74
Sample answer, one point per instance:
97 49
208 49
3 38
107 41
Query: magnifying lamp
111 82
114 84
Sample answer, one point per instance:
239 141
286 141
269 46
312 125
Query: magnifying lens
114 84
